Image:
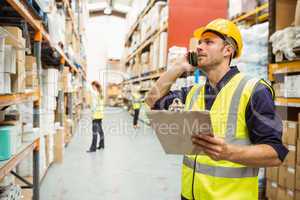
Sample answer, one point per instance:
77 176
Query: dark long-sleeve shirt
264 125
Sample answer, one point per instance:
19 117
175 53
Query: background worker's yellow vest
99 108
206 179
136 101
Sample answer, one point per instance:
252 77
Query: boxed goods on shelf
59 145
10 58
154 15
291 84
5 83
57 27
154 54
287 9
254 58
24 168
239 7
163 49
164 15
283 42
16 36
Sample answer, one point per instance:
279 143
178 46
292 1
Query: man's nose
199 48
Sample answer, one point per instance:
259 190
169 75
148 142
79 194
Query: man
247 132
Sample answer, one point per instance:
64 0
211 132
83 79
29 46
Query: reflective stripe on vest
232 115
223 172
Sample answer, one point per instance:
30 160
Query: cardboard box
272 173
297 179
282 174
297 14
30 63
271 190
290 160
290 178
292 133
59 145
10 54
5 87
287 9
16 32
297 195
298 152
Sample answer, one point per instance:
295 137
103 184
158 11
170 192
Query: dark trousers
97 129
136 116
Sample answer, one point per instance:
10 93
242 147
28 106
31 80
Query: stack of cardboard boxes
31 72
12 61
283 182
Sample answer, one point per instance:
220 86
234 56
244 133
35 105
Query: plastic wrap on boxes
5 87
238 7
164 15
24 169
10 59
56 26
254 58
7 180
2 53
46 5
163 49
145 57
154 15
154 57
285 40
26 110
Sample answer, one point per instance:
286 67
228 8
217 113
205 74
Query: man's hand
216 148
181 63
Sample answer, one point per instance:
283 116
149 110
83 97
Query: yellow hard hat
226 28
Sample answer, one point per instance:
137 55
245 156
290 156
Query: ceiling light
107 10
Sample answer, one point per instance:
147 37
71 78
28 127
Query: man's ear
228 50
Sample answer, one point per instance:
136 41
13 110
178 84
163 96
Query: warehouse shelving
11 99
71 15
143 13
291 102
254 14
7 167
147 42
37 26
283 68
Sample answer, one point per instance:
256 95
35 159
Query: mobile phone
193 59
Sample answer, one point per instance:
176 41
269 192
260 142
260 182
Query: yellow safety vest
206 179
99 107
136 101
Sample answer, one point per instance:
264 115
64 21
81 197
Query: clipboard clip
177 105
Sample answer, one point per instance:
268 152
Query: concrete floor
133 165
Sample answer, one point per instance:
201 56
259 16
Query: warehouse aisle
132 166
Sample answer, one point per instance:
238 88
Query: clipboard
174 129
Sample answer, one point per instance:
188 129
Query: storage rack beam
283 68
37 25
11 99
291 102
252 13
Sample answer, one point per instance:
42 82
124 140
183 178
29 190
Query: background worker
247 131
136 105
97 112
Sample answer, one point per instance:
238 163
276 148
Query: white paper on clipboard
174 129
